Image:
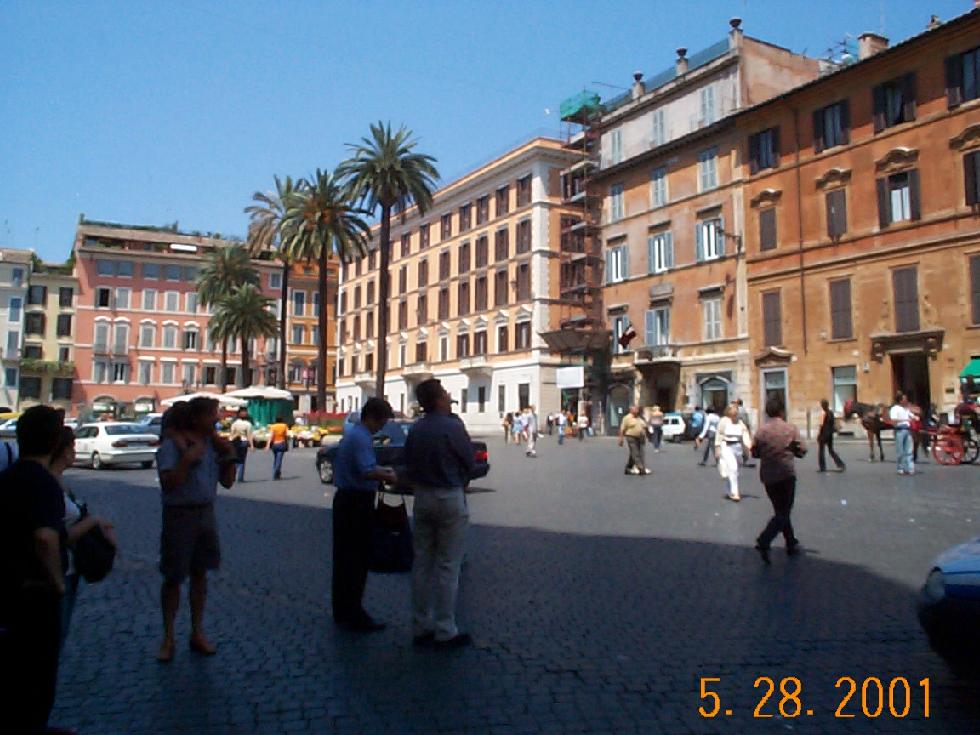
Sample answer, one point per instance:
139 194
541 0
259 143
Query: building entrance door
910 374
774 386
618 406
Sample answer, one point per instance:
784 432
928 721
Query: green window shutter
699 242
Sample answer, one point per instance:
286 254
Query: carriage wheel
971 451
948 449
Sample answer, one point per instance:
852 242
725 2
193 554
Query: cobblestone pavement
596 600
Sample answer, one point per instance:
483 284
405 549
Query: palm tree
225 268
243 314
319 222
265 233
384 171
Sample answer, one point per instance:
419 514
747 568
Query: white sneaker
634 471
646 472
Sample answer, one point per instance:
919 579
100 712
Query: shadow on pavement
572 633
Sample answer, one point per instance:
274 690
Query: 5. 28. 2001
869 697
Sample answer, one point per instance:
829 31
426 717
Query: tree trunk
243 376
223 382
283 305
384 286
321 337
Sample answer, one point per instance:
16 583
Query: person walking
356 475
697 423
507 424
583 426
731 439
33 560
191 461
777 444
439 465
656 427
901 417
531 432
825 439
241 438
278 445
634 430
517 428
743 416
707 435
562 421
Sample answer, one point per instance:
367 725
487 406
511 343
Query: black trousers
781 495
29 644
828 444
353 526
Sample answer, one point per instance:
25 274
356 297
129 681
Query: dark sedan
389 448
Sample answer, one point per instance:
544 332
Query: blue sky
151 112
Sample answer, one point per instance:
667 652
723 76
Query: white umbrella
226 401
262 391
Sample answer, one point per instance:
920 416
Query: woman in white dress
730 437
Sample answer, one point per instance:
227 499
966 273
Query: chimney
934 23
681 61
735 34
637 90
869 44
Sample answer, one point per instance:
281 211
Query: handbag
391 542
94 553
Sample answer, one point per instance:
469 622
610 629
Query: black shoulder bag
94 553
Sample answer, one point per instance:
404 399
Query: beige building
47 366
474 284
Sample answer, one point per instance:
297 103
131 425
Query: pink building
141 336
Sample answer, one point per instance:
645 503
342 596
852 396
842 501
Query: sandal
166 653
200 644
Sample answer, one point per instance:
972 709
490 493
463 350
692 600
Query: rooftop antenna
611 86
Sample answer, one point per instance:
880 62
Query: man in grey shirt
191 462
440 461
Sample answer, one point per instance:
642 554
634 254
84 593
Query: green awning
972 369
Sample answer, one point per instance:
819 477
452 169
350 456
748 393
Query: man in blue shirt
356 474
440 462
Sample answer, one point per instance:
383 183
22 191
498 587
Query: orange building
303 333
660 192
862 235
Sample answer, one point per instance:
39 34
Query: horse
873 421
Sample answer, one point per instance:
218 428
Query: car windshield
393 433
116 429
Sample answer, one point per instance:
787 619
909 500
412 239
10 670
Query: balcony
417 371
654 354
476 366
50 367
365 379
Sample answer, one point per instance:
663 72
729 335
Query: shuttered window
660 252
962 77
501 245
898 198
831 126
443 265
767 228
772 319
894 102
447 227
906 291
424 236
500 288
423 274
481 251
971 177
764 150
463 297
975 289
443 303
840 310
524 282
836 213
481 293
524 236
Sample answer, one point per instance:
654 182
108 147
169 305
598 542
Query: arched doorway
715 392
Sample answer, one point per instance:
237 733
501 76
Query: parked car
152 422
674 427
110 443
71 423
8 429
949 607
389 448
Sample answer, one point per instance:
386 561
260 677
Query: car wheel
146 465
96 461
326 472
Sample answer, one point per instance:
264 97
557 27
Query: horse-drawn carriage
956 442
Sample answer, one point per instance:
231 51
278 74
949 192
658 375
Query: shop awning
972 369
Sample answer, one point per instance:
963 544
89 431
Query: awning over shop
579 340
972 370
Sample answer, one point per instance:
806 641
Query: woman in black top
825 439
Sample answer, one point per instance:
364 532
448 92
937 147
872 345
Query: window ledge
840 340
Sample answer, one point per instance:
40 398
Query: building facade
474 284
47 365
303 333
662 178
141 335
15 270
862 229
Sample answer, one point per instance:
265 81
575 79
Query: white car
109 443
674 427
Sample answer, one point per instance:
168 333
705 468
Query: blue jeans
903 448
241 452
278 451
561 434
